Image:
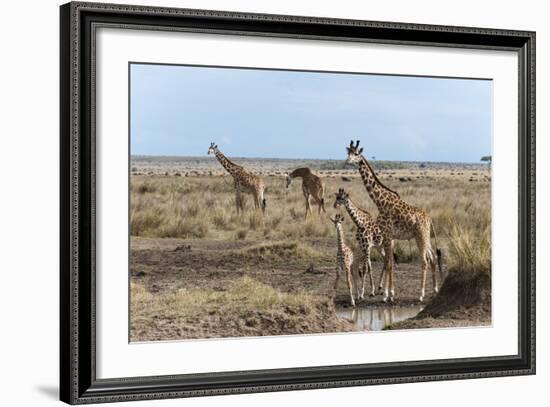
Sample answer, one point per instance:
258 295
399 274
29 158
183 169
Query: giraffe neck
380 194
226 163
341 242
300 172
354 212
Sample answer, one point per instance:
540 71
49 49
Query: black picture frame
78 382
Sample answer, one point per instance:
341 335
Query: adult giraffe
312 186
397 220
244 181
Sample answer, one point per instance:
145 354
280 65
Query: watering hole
376 319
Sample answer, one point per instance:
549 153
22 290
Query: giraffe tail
323 205
264 204
439 254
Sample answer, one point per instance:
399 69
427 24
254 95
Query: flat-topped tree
397 220
487 159
243 180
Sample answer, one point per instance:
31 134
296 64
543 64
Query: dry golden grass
247 307
204 207
245 293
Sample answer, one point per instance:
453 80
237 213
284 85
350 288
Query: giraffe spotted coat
397 220
244 181
344 257
368 235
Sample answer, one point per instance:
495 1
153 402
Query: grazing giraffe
312 186
344 257
244 181
368 235
397 220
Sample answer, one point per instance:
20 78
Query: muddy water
375 319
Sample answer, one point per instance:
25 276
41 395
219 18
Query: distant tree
488 159
373 158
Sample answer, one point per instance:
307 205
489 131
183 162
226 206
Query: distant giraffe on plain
344 257
312 187
244 181
397 220
368 236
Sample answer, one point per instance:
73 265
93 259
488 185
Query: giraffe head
341 198
338 220
288 179
354 153
212 149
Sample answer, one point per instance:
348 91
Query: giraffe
312 186
344 257
368 235
397 220
244 181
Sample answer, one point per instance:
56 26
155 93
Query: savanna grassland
200 270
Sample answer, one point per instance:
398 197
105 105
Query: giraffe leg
382 273
308 207
256 203
350 284
357 276
261 200
366 269
388 265
369 268
336 280
361 269
433 261
422 249
392 274
321 203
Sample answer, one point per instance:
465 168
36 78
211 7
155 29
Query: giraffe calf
368 235
344 257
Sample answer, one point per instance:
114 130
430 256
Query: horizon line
304 159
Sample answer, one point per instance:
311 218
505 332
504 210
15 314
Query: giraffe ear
360 150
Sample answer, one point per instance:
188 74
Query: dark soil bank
464 300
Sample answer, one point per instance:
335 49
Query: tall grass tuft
470 250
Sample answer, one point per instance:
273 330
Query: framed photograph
254 203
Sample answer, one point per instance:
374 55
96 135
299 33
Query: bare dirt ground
169 266
164 265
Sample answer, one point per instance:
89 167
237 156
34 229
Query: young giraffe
368 235
312 186
397 220
344 257
244 181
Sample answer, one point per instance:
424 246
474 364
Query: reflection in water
375 319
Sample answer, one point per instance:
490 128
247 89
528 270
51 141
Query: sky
179 110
